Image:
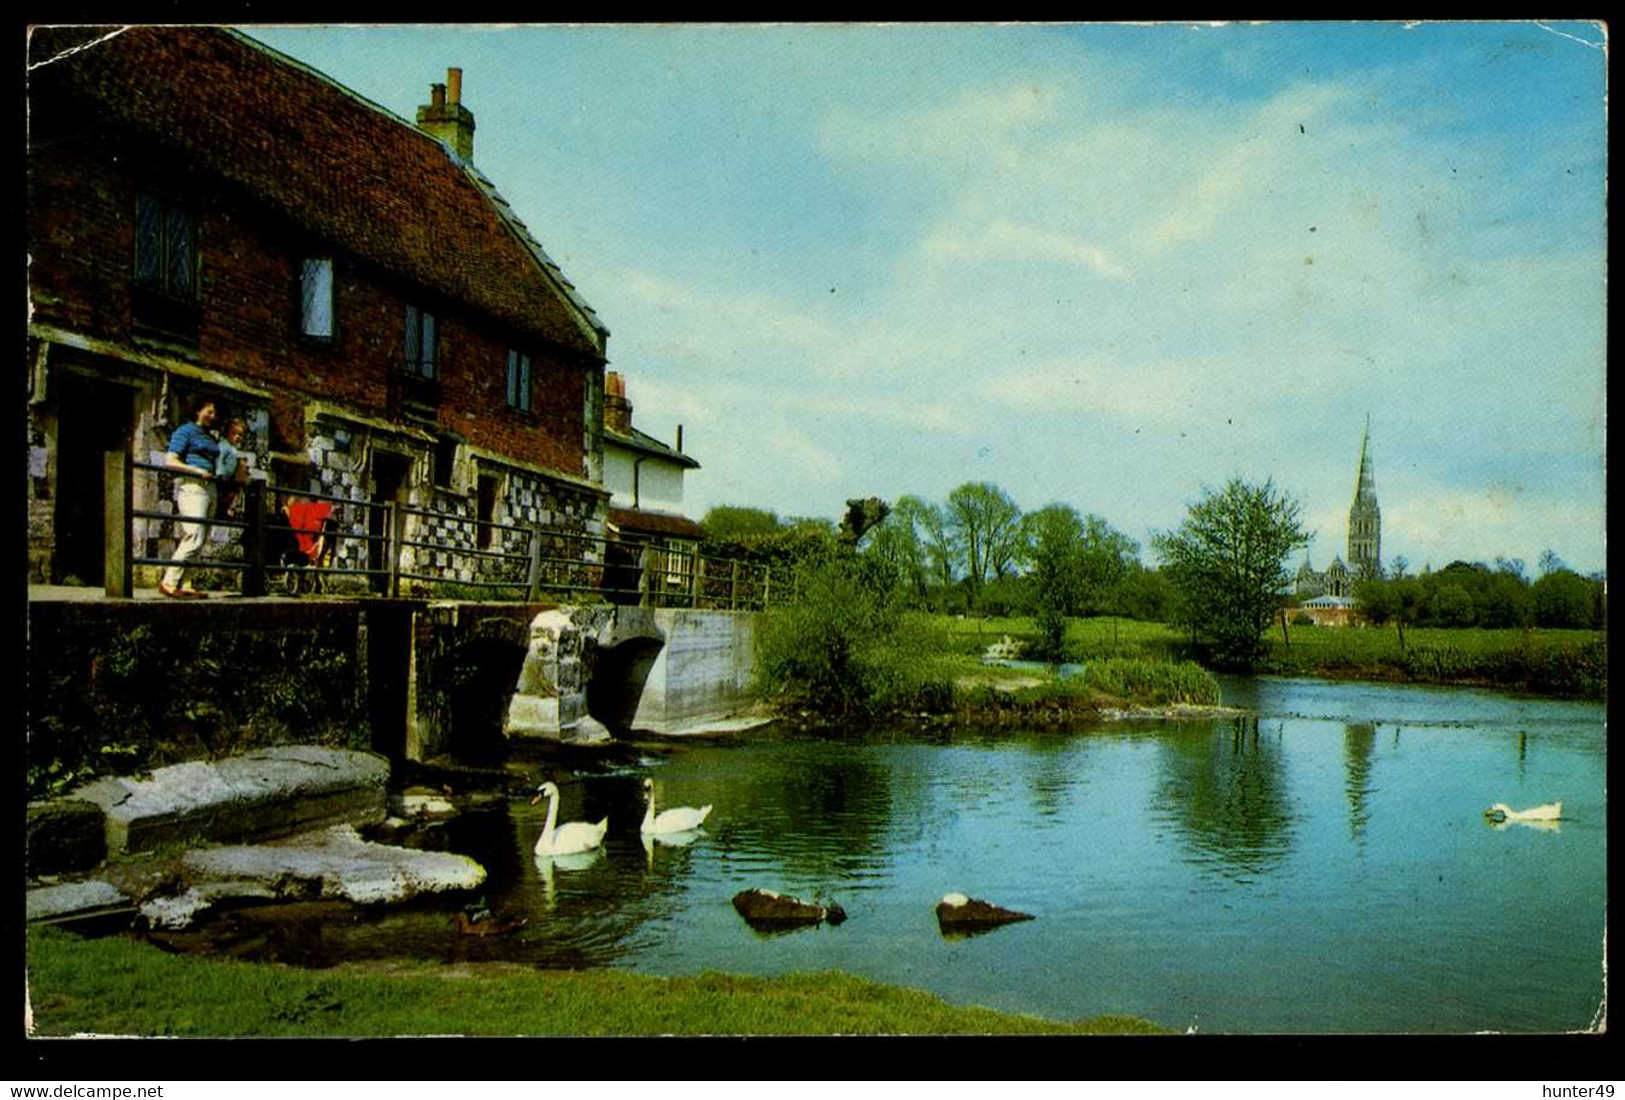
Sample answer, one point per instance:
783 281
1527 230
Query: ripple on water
1172 873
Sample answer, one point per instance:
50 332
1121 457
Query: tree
1504 599
1105 554
1451 605
1057 533
988 526
1563 599
1549 562
936 534
1228 563
1399 567
1143 594
731 523
897 541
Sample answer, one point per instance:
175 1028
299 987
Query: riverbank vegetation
848 647
116 986
938 583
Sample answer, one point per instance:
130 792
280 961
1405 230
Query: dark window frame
166 281
520 378
422 329
156 264
443 462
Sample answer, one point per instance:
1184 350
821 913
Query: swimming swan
678 819
573 836
1551 811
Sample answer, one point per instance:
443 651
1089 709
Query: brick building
207 217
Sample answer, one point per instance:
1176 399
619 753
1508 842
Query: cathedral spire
1365 518
1365 482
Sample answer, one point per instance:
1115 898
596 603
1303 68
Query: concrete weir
661 670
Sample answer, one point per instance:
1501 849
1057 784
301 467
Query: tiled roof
643 441
323 157
638 522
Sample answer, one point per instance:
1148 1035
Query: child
231 468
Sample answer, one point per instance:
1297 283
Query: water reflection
815 813
1540 826
1358 740
1224 789
548 865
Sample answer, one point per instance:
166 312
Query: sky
1101 265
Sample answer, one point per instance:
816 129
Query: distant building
1365 518
1328 595
645 478
644 475
1328 610
1334 581
1364 540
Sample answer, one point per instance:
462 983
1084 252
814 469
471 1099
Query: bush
834 648
1153 682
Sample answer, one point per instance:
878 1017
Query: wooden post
116 510
1285 639
696 569
533 577
767 586
733 588
254 537
396 518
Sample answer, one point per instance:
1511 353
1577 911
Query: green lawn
117 986
1557 662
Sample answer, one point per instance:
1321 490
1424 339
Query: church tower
1365 518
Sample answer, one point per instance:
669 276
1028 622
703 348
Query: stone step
76 900
330 863
260 795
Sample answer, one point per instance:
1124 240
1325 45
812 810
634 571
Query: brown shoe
173 593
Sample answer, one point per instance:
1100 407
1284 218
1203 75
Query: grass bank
1571 663
117 986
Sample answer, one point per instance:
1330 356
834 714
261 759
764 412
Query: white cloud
1012 241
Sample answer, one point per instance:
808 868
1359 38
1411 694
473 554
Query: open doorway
93 417
390 474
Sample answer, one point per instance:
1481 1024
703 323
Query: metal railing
530 559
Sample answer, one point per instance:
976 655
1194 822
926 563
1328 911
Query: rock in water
766 910
958 913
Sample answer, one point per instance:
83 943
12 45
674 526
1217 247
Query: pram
300 538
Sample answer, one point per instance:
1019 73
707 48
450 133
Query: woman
193 450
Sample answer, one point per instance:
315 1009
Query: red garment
306 518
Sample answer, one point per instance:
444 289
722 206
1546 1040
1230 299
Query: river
1325 867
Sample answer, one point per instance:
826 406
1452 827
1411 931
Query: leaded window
420 342
518 380
316 298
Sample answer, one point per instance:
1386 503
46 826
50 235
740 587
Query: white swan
573 836
678 819
1551 811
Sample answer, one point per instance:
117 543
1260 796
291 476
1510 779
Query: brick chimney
617 409
446 118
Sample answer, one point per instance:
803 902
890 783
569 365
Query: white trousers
195 500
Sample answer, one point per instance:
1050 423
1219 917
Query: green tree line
1498 596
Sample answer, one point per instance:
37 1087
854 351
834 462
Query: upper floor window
165 247
316 298
420 343
518 380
